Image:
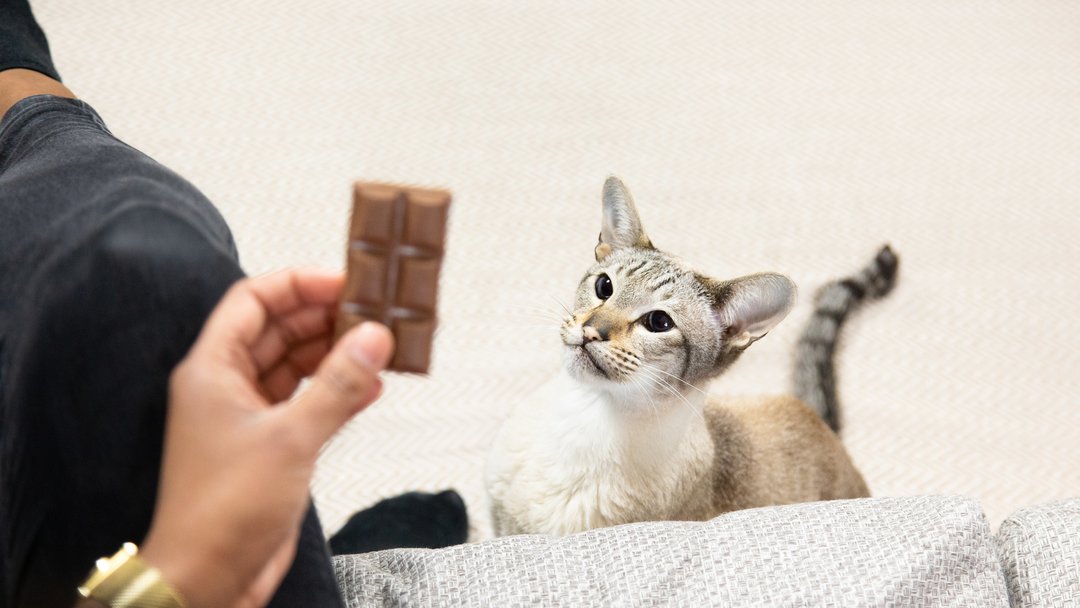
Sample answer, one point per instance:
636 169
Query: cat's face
644 324
642 320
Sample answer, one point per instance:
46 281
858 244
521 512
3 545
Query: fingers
282 334
346 382
279 382
284 291
240 319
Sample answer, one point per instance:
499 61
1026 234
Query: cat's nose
590 334
593 331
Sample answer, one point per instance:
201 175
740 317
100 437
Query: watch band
124 580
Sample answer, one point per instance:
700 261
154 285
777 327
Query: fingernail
361 345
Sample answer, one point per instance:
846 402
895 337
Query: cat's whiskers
656 409
622 370
529 307
551 321
546 314
636 383
561 305
628 363
657 369
673 391
655 383
631 360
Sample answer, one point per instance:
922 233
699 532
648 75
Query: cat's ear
751 306
621 226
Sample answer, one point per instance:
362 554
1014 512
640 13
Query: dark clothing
109 265
22 43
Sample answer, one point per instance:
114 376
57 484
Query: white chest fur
573 457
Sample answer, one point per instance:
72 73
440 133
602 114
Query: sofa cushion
890 551
1040 551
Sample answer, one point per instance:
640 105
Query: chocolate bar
396 244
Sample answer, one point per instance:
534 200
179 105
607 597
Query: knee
144 269
150 260
151 240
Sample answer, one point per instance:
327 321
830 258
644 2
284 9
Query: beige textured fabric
1039 548
792 136
925 551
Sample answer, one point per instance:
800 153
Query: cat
624 432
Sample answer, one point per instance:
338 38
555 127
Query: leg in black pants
109 264
117 264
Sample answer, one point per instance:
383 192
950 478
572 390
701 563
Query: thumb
345 383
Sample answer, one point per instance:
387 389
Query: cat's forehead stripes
643 264
635 267
666 279
649 277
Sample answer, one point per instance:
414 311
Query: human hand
238 458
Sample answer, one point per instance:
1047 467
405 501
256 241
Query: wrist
126 580
186 571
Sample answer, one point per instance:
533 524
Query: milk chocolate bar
396 244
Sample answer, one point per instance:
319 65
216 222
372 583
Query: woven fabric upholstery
1040 551
924 551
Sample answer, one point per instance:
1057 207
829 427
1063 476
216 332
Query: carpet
787 136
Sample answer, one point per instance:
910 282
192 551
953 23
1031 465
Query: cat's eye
604 288
658 321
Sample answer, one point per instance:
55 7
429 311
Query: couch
914 551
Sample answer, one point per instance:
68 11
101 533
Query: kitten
624 434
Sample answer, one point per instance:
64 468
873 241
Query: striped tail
815 378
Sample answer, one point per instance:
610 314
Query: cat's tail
815 378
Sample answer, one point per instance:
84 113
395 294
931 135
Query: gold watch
124 580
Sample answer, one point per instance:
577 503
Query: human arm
238 453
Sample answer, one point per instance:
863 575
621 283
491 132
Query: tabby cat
624 434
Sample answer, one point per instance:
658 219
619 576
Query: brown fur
775 450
